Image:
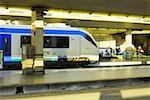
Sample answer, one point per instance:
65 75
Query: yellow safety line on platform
132 93
78 96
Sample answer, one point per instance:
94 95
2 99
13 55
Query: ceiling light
78 15
97 16
141 32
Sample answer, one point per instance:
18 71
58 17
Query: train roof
49 27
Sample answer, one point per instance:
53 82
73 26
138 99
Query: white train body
59 42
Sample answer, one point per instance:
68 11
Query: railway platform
113 62
54 76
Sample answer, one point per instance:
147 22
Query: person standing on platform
140 51
117 50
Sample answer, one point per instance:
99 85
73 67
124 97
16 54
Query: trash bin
129 53
28 51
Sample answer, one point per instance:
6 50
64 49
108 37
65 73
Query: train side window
47 42
62 42
90 39
56 42
25 40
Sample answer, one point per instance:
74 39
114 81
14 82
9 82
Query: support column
37 39
37 31
128 37
129 47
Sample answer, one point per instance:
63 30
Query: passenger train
61 44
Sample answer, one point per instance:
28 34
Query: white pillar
37 31
128 40
128 37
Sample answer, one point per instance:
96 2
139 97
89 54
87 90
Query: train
60 45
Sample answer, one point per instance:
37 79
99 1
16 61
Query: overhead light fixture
141 32
78 15
96 16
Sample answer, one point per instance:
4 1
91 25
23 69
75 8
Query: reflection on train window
25 40
56 42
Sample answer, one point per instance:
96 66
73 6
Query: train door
87 46
6 44
1 53
74 46
1 59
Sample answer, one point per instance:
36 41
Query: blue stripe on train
20 31
63 32
13 30
28 31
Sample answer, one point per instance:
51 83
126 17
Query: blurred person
140 51
136 51
117 50
124 55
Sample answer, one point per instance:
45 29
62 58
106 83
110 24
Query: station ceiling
129 7
138 7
